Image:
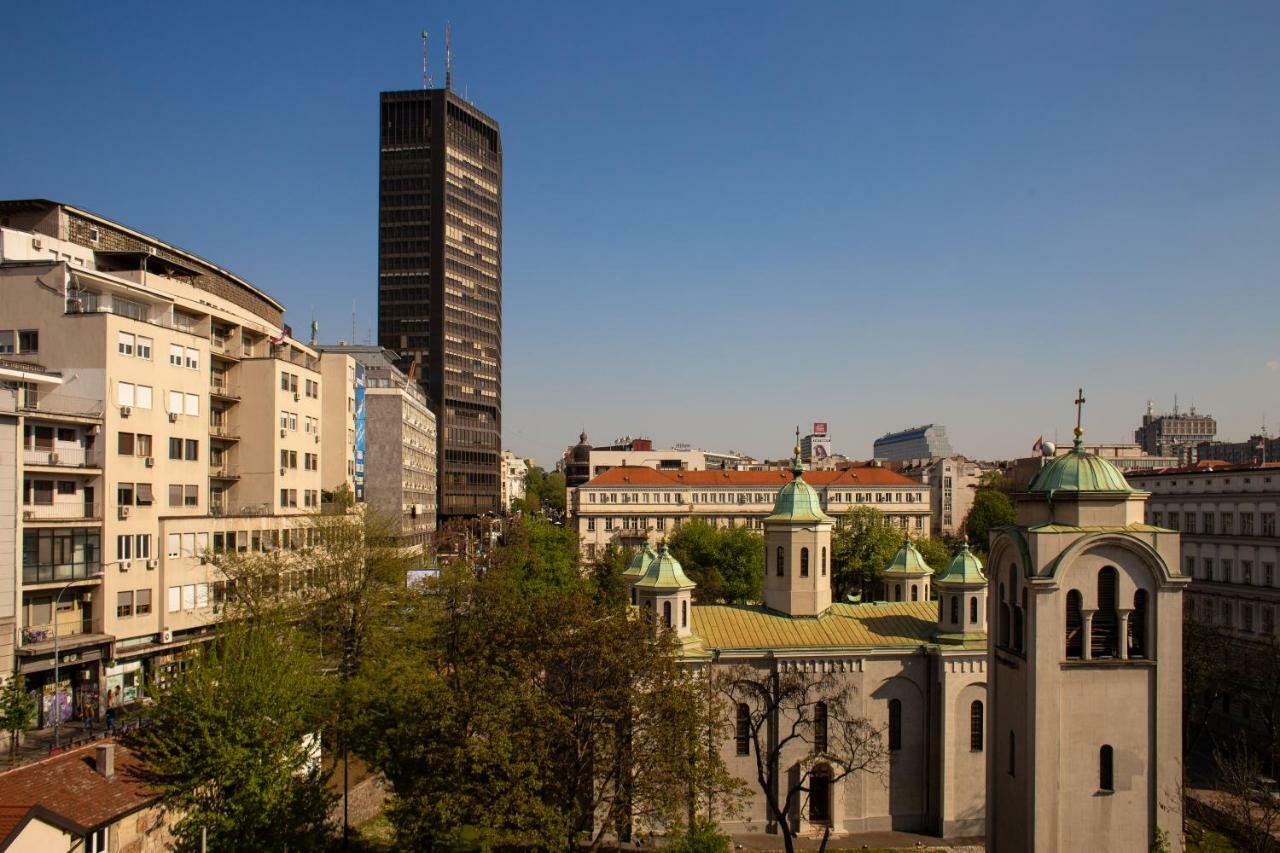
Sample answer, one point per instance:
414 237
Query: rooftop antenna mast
426 75
353 323
448 56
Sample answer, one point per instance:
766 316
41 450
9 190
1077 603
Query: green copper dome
964 568
664 573
640 562
798 501
908 561
1078 471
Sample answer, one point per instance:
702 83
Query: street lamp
57 704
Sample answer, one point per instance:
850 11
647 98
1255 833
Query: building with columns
1085 667
915 669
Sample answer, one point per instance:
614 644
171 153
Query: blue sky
724 219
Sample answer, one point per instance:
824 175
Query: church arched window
820 727
1004 618
666 613
684 614
955 609
1011 754
1020 623
1138 625
804 562
1106 768
824 561
1102 639
975 726
897 592
915 593
742 730
895 724
1075 626
973 610
781 561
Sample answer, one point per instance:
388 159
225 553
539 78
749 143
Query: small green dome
798 501
1078 471
964 568
664 573
908 561
640 562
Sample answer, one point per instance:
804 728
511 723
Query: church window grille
820 727
1102 640
684 614
1106 768
1075 626
780 561
742 731
1138 625
915 593
976 730
804 562
895 725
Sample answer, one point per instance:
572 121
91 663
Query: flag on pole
1038 446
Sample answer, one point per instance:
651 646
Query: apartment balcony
225 391
225 348
56 513
71 634
63 457
51 406
223 471
224 432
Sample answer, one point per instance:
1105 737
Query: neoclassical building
917 668
1085 667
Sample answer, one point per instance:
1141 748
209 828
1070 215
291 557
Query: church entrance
820 795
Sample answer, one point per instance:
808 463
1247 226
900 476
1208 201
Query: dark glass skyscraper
440 279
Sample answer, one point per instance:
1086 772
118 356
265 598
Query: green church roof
640 562
1079 471
964 568
665 573
908 561
798 501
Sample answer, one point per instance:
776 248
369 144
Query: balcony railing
224 472
63 457
37 639
223 389
54 404
224 431
69 511
225 347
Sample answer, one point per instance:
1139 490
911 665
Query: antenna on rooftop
353 321
448 56
426 75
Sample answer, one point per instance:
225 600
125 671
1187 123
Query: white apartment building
630 504
514 470
1226 515
160 411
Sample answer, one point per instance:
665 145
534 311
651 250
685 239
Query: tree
230 743
862 545
539 553
17 709
936 552
1247 797
727 563
606 573
543 493
991 508
793 741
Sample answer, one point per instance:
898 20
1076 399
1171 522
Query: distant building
1258 449
952 481
922 442
514 471
1175 434
815 448
582 461
1125 456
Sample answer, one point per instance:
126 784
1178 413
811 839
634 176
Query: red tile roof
853 477
69 785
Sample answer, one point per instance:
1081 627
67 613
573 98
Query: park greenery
727 563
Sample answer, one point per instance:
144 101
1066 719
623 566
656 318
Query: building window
975 726
1106 769
915 593
824 561
820 727
1102 639
1004 618
780 561
666 614
28 340
897 592
895 725
742 730
973 610
804 562
955 609
142 602
1075 626
1138 625
124 604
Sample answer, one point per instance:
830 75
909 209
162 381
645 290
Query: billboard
820 448
820 428
359 429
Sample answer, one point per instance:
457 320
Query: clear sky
724 219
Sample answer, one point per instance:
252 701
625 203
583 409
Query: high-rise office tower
440 279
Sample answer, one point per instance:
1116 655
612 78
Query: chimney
106 760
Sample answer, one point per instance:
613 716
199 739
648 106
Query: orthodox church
975 731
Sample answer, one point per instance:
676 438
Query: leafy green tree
862 545
606 573
230 743
936 552
726 563
701 836
991 508
539 553
17 709
543 492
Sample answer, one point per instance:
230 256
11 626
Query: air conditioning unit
166 635
36 243
150 462
317 438
87 597
124 512
151 564
53 459
295 396
283 471
173 417
28 514
124 565
96 429
125 411
283 432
